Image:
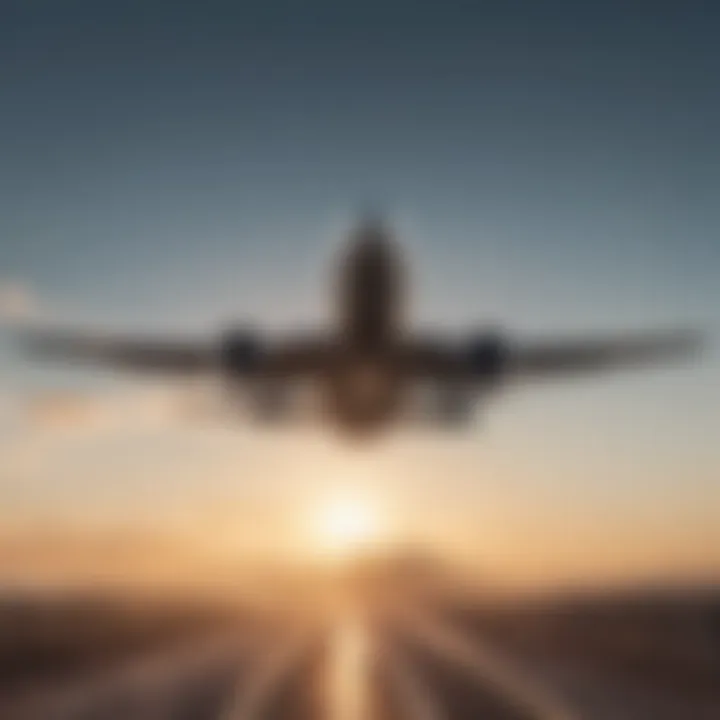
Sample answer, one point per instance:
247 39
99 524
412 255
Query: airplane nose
371 236
370 245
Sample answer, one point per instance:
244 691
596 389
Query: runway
348 667
395 664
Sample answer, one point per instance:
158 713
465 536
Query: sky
552 167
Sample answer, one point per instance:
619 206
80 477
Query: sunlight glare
347 524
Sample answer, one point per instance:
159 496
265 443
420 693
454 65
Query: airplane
365 370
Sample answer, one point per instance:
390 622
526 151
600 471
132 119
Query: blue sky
552 167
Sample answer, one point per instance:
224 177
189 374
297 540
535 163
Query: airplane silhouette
365 368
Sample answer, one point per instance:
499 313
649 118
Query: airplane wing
492 357
236 353
567 357
135 353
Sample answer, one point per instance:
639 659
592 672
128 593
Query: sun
347 525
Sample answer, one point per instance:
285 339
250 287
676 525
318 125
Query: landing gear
264 400
455 404
270 400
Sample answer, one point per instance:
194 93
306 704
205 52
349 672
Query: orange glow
346 525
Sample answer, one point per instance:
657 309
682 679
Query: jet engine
240 352
486 357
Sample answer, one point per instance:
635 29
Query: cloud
42 433
63 410
118 410
17 301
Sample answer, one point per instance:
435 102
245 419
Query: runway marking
249 698
487 663
418 701
347 668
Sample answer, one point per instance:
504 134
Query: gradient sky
552 166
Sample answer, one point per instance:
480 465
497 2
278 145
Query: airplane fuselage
364 386
370 288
